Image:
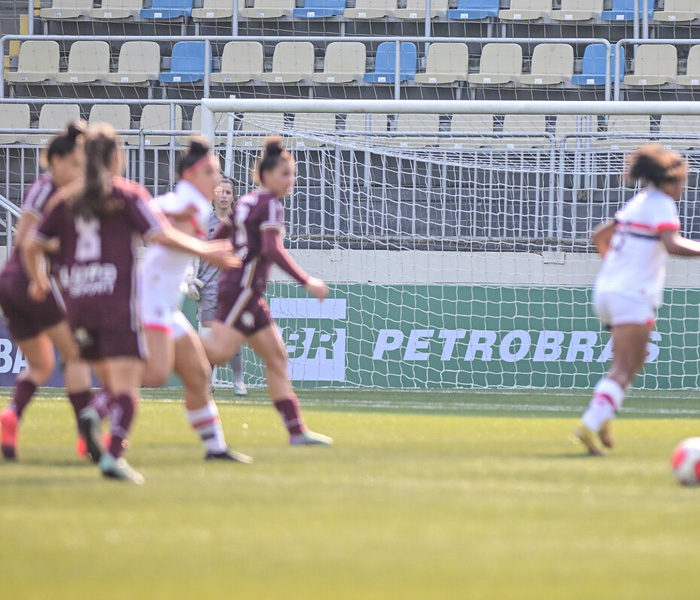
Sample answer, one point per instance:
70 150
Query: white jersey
635 265
163 270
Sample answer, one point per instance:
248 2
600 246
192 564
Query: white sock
607 400
205 332
205 421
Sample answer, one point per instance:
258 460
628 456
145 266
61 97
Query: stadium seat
593 69
292 62
139 62
500 64
370 9
420 124
415 10
552 64
385 63
13 117
117 115
156 117
357 122
578 10
313 123
345 62
220 124
623 10
678 11
268 9
186 63
468 124
567 124
255 127
692 72
680 125
66 10
117 10
38 61
88 61
445 63
621 125
536 124
241 62
53 116
653 65
213 10
474 10
167 10
526 10
320 9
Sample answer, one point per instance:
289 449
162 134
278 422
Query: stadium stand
292 62
621 126
678 11
535 126
577 10
87 62
594 64
370 9
53 117
186 63
320 9
268 9
692 73
623 10
672 125
500 64
38 61
385 63
117 115
421 125
551 64
213 10
241 62
474 10
345 62
13 117
66 10
157 117
415 9
168 10
473 124
445 63
139 63
116 10
653 65
318 123
256 127
526 10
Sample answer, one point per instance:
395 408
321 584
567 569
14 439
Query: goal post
454 236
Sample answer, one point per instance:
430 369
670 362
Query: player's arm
676 244
33 252
602 235
273 249
218 252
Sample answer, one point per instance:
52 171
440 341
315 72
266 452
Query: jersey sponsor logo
93 279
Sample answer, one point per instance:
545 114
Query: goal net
456 243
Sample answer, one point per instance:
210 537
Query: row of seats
465 10
345 62
253 127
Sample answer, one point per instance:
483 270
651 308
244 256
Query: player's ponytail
273 153
198 149
66 142
652 163
100 152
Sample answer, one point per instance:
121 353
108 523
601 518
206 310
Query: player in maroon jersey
257 228
38 327
98 226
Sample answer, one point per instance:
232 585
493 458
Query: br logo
315 336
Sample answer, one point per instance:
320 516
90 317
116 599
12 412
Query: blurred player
37 327
257 229
98 226
204 287
629 287
173 343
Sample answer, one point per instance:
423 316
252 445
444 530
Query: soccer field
425 495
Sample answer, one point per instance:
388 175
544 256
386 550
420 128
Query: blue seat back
385 61
177 4
328 4
628 6
188 57
594 57
478 4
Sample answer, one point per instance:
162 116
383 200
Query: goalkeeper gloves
193 287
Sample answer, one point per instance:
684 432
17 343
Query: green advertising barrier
451 336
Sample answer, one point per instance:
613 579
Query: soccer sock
608 396
122 409
206 422
291 415
236 363
100 402
24 391
79 400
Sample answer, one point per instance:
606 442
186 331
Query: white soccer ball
686 461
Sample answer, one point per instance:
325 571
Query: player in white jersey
173 344
630 284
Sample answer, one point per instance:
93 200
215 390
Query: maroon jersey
96 262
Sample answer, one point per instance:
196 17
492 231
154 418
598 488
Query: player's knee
41 370
155 376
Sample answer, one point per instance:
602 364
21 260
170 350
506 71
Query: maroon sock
100 402
121 415
24 391
291 416
79 400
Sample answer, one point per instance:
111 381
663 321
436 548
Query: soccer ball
686 461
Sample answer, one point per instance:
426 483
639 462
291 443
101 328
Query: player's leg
161 356
268 344
221 342
236 362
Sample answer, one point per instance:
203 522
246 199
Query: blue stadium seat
168 10
186 63
593 70
474 10
623 10
320 9
385 63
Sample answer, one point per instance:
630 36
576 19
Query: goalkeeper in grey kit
204 287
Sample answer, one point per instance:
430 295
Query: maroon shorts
24 317
97 343
243 309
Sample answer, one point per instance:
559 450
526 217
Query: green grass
463 495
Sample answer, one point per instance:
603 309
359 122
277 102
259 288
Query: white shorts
156 314
615 309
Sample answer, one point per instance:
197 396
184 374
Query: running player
172 342
98 227
629 287
257 229
204 287
37 327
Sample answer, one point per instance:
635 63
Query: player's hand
317 288
220 254
52 246
193 287
38 290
